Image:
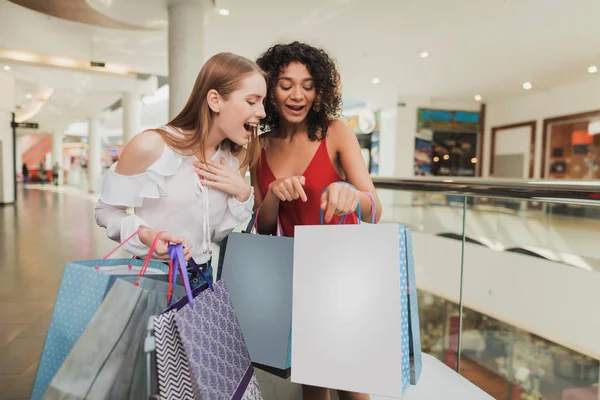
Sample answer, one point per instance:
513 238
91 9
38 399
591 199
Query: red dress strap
319 174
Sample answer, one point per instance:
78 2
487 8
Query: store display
448 120
558 167
581 149
574 152
366 125
422 160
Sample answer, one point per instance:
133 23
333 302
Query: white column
406 119
186 50
388 136
57 153
132 115
94 154
406 126
7 161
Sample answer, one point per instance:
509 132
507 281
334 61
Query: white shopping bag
350 309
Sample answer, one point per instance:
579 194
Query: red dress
319 174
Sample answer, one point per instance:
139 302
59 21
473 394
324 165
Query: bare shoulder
140 153
340 134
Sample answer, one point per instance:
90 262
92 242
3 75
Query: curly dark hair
328 101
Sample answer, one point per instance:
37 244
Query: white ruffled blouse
170 197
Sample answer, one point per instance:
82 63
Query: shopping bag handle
373 207
253 224
150 252
149 255
123 242
178 261
148 258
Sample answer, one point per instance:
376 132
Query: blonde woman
186 179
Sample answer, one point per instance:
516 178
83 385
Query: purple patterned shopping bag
208 343
218 359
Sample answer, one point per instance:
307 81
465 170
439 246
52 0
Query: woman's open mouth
295 109
251 128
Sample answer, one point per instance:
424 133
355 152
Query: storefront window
573 153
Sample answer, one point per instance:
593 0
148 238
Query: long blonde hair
223 72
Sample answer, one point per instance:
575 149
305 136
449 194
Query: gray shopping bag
83 288
108 360
258 272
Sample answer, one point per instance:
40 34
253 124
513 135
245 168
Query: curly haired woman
306 149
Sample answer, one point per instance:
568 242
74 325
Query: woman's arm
143 150
269 207
117 193
346 145
140 153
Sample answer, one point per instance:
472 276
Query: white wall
388 140
406 127
548 299
572 99
7 162
512 142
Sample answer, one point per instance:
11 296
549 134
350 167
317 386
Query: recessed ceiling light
474 160
28 95
224 11
477 97
376 80
527 85
7 68
593 69
446 157
424 54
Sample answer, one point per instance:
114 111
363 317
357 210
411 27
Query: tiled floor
37 237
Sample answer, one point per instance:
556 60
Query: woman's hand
224 178
161 251
289 189
339 199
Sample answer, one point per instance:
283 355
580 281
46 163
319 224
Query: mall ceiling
474 47
75 10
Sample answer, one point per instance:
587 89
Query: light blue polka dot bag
83 288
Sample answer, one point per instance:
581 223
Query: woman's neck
214 139
289 130
212 143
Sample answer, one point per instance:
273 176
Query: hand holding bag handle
369 195
148 258
124 241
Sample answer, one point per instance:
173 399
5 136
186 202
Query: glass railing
508 280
